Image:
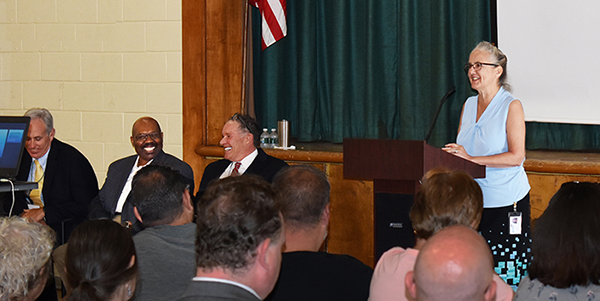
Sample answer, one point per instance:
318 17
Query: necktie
236 169
35 194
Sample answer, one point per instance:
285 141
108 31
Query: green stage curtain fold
368 69
562 136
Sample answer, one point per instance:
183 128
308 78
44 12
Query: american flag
274 26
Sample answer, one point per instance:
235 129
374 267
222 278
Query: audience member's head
100 262
161 197
25 250
240 233
454 264
446 198
566 238
241 136
146 138
302 193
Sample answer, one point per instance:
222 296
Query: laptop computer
13 134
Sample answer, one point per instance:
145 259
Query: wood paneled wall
213 33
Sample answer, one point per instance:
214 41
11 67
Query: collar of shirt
127 188
135 165
246 162
209 279
43 160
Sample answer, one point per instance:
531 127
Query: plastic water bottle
265 139
274 138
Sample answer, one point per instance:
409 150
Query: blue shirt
485 137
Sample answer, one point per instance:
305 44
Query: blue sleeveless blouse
501 186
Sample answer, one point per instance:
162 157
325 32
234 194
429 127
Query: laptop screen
13 133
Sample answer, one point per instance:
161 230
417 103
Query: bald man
454 264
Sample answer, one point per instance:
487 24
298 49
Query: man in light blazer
238 241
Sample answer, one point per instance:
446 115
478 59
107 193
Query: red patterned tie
236 169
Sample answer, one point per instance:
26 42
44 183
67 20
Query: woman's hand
457 150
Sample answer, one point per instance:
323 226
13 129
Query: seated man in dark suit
302 192
65 177
114 200
166 253
66 180
243 155
238 241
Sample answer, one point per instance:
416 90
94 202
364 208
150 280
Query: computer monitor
13 134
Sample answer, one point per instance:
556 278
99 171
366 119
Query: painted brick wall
97 65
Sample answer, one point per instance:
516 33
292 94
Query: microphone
450 91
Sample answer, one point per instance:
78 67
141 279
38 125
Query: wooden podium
396 167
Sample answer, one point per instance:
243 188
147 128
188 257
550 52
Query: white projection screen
553 50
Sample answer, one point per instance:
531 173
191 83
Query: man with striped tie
241 140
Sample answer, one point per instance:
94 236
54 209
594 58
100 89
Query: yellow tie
35 194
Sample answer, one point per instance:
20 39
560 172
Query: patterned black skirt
512 253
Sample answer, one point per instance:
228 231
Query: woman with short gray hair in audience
25 250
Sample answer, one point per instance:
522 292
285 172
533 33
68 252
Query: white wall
97 65
551 47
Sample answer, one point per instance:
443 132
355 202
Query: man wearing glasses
241 141
114 199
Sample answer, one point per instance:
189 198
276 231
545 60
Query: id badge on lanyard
514 221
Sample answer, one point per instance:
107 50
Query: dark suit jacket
69 186
321 276
216 291
105 204
263 165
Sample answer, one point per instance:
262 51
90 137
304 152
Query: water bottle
274 138
265 138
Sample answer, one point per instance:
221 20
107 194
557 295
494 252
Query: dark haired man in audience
113 201
243 155
238 243
454 264
165 248
302 192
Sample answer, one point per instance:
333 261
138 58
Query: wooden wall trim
563 162
194 81
213 57
286 155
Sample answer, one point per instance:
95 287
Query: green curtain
368 69
561 136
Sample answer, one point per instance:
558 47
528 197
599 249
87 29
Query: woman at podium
492 133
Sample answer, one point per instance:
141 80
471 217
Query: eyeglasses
237 117
142 137
477 66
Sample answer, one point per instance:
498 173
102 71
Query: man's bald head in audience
454 264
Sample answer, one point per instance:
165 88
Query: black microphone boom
450 91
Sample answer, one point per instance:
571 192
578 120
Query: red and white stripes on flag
274 26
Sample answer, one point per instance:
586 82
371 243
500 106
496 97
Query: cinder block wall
97 65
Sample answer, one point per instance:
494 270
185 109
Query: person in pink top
446 198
